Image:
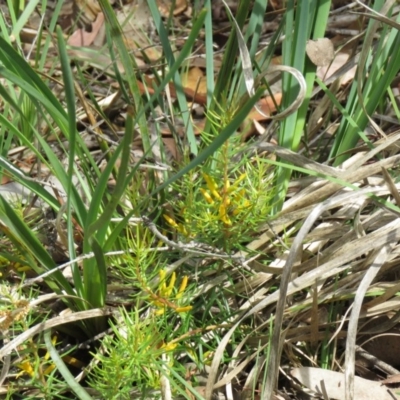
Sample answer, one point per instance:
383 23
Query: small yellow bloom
161 274
169 346
164 298
223 215
246 204
160 311
73 361
182 287
170 221
26 368
207 196
227 185
181 229
23 268
212 186
227 202
49 369
168 289
183 309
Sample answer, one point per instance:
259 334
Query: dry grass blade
249 80
391 185
300 95
78 316
234 369
380 17
7 359
389 292
299 160
313 194
332 263
380 258
273 363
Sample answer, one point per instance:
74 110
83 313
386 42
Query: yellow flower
183 286
165 291
179 227
164 298
236 183
26 368
223 215
171 221
26 365
207 196
212 186
169 346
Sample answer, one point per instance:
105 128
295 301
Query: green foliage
223 202
303 21
374 76
219 197
24 89
132 361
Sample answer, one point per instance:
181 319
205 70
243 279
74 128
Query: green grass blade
121 182
163 34
378 71
96 283
208 25
70 99
59 171
35 187
63 369
314 16
23 19
115 34
225 134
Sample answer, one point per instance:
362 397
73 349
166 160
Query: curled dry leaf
321 380
195 80
165 6
82 38
87 10
321 51
267 105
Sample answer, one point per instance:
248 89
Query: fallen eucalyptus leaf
320 380
321 51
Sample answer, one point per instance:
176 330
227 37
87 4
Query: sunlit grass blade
71 108
24 77
116 39
94 223
23 19
378 74
185 115
208 26
63 369
305 21
230 70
